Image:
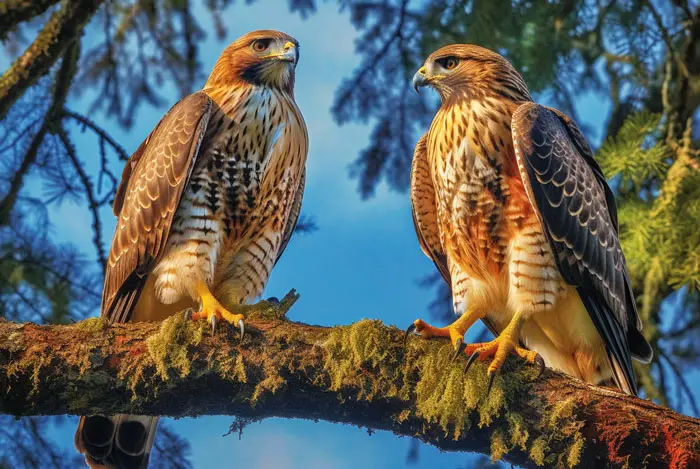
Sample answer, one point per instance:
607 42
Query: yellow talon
454 331
426 330
499 348
212 311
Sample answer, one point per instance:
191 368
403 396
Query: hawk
205 208
514 211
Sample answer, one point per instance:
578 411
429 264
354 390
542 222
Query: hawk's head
471 72
264 57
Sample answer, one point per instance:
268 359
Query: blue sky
363 262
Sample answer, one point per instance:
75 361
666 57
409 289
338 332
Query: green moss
538 451
168 349
573 458
39 364
516 436
270 384
266 309
441 392
561 411
15 341
233 369
518 431
352 348
499 447
560 424
92 325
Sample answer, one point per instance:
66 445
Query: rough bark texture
360 374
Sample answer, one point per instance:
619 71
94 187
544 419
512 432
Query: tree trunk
360 374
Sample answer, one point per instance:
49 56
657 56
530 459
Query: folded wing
578 213
147 198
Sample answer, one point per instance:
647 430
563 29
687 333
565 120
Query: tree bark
361 374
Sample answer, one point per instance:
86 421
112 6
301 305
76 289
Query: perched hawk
515 213
206 206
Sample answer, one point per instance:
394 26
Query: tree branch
360 374
60 31
61 86
89 191
14 12
86 122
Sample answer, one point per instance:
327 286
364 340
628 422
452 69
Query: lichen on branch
360 374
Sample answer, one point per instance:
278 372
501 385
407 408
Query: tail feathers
119 307
117 442
621 379
639 347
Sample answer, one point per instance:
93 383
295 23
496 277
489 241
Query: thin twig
681 331
89 194
64 77
396 34
103 134
680 379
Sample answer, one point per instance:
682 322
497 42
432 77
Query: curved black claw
470 361
539 361
459 349
409 329
241 327
492 376
212 320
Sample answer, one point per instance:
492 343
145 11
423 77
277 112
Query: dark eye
448 63
261 45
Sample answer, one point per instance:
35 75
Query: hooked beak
289 53
420 79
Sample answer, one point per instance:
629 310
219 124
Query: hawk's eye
448 63
261 45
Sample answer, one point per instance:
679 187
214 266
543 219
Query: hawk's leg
498 348
212 311
454 331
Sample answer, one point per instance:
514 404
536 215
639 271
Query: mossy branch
61 30
14 12
360 374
